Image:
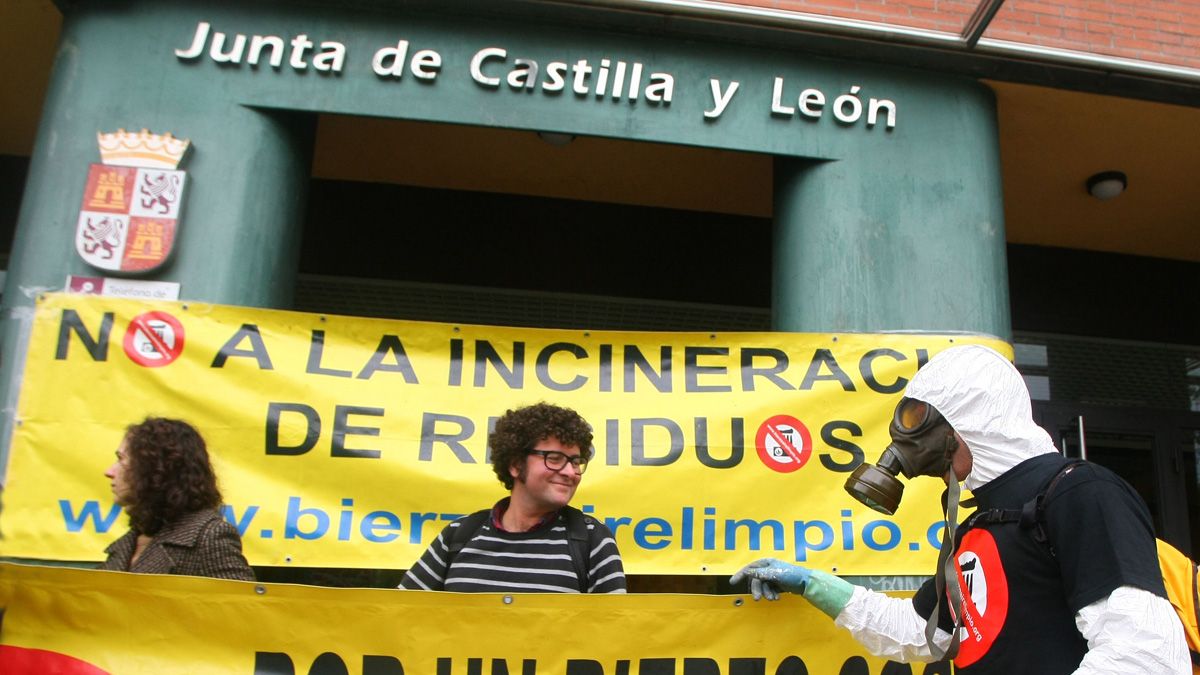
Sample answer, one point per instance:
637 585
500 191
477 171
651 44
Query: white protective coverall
984 398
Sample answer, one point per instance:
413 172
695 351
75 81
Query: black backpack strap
992 517
459 536
1033 513
578 537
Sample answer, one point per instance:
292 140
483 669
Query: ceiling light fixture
1107 184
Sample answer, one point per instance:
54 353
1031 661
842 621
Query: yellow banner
350 442
83 621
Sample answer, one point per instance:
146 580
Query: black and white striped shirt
538 561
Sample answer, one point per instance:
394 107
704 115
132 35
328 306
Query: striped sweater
538 561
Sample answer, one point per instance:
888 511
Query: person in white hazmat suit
1087 599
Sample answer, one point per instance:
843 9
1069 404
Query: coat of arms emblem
131 202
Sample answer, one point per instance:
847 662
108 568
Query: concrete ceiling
1051 141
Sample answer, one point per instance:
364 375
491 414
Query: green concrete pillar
907 236
239 233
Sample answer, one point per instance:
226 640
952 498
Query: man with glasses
531 541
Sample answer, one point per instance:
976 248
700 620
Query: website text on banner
160 624
349 442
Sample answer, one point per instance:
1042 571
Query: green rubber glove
768 577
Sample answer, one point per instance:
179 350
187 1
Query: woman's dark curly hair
170 474
519 430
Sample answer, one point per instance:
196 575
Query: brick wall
1159 31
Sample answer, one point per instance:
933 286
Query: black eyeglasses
555 460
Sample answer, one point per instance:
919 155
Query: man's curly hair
170 473
517 431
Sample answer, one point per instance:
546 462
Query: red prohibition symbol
154 339
784 443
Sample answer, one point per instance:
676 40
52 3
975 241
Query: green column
906 235
243 206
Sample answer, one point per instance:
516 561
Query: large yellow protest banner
80 622
350 442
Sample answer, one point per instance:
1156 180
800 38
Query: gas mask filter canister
922 444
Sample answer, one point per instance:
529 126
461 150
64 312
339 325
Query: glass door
1154 450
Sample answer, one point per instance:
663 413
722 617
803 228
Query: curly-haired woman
166 483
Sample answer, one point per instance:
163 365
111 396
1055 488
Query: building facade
664 165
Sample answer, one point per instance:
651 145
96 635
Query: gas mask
922 444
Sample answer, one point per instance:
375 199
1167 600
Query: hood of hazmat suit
984 398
